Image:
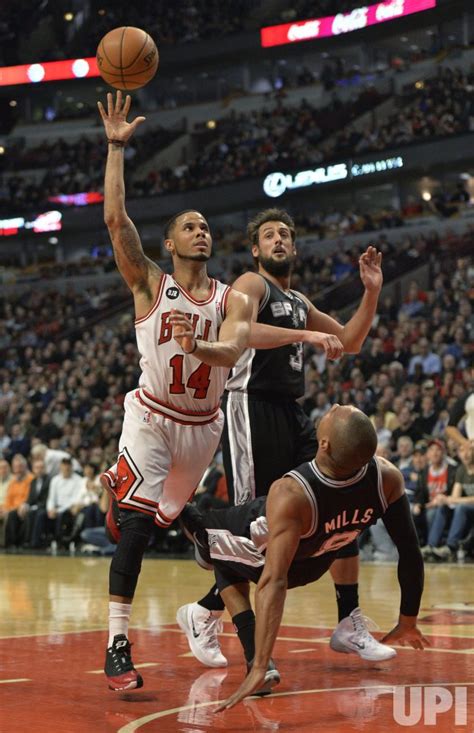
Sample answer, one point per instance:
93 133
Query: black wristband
118 143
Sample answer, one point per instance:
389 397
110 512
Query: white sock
119 616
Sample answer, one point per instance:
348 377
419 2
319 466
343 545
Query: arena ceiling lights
49 71
334 25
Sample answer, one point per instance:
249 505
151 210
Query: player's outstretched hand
115 119
333 348
183 331
370 268
251 683
406 635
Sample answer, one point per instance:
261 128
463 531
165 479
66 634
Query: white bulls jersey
174 384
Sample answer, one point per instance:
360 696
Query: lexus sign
276 184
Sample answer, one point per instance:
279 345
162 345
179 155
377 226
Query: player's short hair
171 222
262 217
353 442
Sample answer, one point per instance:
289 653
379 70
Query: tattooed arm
139 272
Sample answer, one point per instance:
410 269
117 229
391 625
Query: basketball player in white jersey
191 330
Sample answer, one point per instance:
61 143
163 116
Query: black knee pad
350 550
136 529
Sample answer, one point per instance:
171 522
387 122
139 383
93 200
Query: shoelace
362 624
212 627
122 659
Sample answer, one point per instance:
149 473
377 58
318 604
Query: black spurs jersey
274 370
341 510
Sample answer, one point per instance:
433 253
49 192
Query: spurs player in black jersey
291 538
191 330
266 431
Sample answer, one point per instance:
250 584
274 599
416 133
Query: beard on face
198 257
277 268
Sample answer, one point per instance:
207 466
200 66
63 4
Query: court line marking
137 666
443 651
429 632
394 646
55 633
78 631
139 722
20 679
324 640
176 630
300 651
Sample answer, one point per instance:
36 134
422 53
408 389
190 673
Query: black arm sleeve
399 524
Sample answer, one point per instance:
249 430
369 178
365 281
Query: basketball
127 58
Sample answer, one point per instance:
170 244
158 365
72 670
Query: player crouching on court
291 537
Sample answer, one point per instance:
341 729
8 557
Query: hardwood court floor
52 638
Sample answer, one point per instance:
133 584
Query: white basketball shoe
201 628
352 636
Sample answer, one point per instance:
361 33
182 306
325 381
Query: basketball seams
114 66
140 51
118 75
121 56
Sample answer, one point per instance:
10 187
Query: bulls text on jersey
166 328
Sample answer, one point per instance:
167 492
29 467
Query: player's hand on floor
183 331
251 683
406 636
333 348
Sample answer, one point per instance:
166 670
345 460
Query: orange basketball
127 58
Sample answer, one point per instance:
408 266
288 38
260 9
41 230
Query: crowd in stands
232 248
169 23
247 145
434 108
413 378
252 144
332 224
183 22
332 281
63 382
67 167
285 137
276 137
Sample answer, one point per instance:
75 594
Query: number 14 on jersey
199 380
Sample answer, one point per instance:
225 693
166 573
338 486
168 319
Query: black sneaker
119 669
192 524
272 678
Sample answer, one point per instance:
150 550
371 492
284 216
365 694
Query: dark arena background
358 121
